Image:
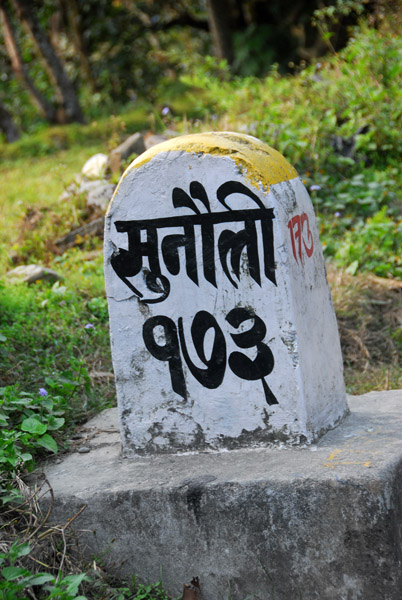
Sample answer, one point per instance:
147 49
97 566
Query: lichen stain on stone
286 198
259 437
289 339
259 163
137 364
143 308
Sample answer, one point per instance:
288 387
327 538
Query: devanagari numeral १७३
175 348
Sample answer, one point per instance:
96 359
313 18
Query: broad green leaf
32 425
13 461
18 402
55 423
22 550
38 579
10 573
13 496
46 441
73 582
46 403
25 456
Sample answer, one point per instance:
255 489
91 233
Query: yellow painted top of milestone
258 162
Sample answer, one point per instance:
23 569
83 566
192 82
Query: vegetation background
320 82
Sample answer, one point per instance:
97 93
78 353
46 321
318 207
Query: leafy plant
17 581
374 244
26 422
140 592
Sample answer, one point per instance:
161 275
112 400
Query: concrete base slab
320 522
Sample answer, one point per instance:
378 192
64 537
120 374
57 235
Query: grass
35 184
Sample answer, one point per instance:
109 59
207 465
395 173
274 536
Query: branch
19 68
66 91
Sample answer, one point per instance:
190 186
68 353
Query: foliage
16 581
51 337
326 16
113 52
374 245
46 324
138 591
43 140
339 123
25 422
58 334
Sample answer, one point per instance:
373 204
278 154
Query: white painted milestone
222 326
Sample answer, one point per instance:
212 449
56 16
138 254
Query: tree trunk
7 125
10 42
67 94
220 27
71 10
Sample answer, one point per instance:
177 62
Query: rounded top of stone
257 161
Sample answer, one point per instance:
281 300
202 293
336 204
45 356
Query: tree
73 17
220 26
70 108
7 125
20 69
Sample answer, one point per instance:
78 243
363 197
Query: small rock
73 188
133 144
100 194
151 139
77 236
32 273
95 166
84 450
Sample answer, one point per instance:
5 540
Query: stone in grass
222 325
98 192
133 144
32 273
95 166
152 139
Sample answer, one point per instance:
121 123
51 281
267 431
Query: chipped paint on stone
169 316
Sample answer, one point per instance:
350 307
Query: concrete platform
321 522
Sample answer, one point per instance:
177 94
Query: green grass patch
55 333
338 122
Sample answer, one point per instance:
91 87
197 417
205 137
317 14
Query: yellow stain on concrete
334 459
337 463
259 163
333 454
